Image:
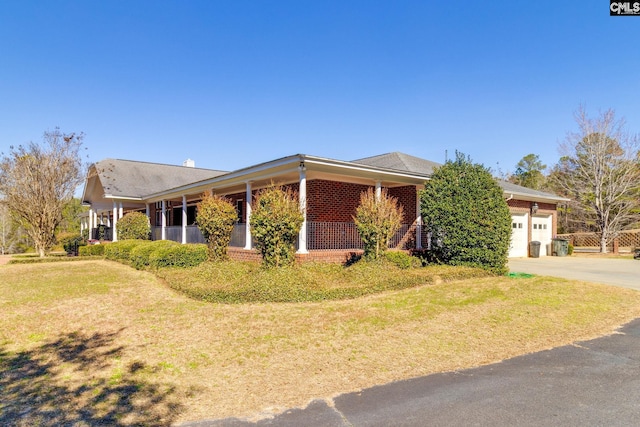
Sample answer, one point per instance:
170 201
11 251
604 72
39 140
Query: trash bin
560 247
534 249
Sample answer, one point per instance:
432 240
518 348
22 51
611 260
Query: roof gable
400 161
128 178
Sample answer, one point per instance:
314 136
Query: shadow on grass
63 382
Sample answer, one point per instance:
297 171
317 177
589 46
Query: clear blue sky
234 83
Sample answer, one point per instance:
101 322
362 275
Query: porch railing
320 236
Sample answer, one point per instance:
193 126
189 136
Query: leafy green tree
529 172
275 222
215 218
600 172
134 225
464 210
37 181
377 220
71 216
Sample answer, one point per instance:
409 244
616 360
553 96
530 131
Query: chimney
189 163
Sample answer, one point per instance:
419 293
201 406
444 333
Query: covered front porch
337 236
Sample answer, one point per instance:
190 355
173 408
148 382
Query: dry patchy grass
98 341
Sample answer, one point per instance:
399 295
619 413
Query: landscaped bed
98 341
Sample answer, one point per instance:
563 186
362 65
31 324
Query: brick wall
407 198
333 201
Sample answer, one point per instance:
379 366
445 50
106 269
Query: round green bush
134 225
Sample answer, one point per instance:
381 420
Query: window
240 209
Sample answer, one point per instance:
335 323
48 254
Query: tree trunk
603 244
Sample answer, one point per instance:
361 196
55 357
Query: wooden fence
627 240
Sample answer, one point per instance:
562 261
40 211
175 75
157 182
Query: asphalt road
591 383
594 383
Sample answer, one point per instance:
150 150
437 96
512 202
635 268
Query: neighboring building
329 195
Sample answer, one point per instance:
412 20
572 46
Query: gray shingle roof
509 187
128 178
405 162
400 161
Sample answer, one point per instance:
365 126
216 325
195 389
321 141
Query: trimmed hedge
92 250
120 250
163 253
139 256
38 260
189 255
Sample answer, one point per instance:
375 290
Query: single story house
329 192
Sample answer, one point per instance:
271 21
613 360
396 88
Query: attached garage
533 218
519 235
541 230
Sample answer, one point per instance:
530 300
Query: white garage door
518 247
541 231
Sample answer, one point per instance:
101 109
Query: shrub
377 220
120 250
275 223
92 250
70 242
140 255
215 219
570 249
467 216
402 259
188 255
134 225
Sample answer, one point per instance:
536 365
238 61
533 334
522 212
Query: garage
542 232
519 241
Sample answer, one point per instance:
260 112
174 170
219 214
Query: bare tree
5 228
600 171
37 181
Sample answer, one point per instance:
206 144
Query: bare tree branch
38 180
600 171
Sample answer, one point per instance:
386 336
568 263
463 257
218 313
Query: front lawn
96 341
242 282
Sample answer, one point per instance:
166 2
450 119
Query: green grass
242 282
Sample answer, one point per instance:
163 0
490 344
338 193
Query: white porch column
148 211
247 227
164 220
184 219
418 221
120 211
95 218
114 231
90 223
378 190
302 194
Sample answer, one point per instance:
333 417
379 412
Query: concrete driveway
610 271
